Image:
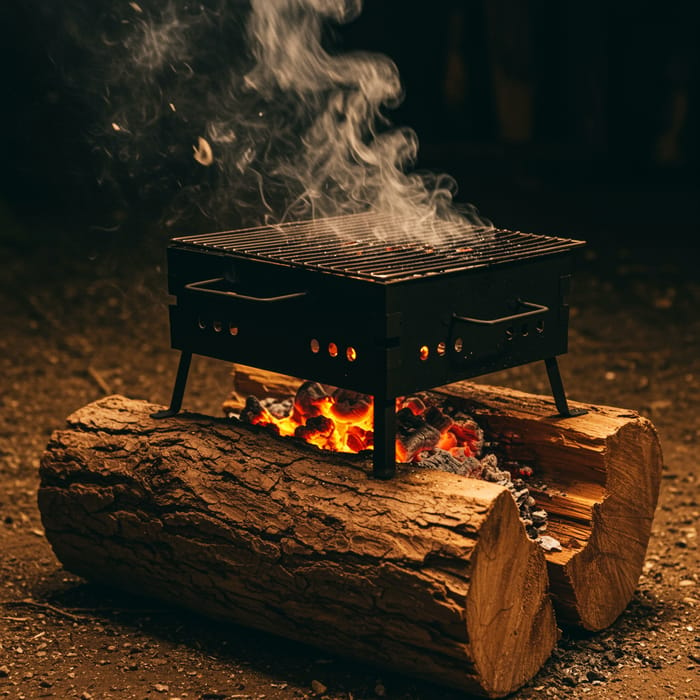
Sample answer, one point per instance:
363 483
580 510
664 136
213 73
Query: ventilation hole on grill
314 345
332 349
351 354
232 329
540 327
524 330
424 352
201 323
218 326
459 345
509 333
441 349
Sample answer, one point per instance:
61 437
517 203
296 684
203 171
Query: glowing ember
202 152
342 421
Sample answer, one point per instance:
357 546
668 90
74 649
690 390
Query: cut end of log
516 622
430 574
605 573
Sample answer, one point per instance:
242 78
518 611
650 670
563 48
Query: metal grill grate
379 247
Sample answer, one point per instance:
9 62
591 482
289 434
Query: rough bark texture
602 471
431 574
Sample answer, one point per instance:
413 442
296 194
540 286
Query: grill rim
323 250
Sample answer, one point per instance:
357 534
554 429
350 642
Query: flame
342 421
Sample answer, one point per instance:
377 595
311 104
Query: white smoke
276 127
350 159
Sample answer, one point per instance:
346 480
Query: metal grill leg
384 459
558 390
178 389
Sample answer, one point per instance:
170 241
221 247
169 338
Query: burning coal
430 435
243 111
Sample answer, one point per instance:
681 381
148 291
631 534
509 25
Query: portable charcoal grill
329 300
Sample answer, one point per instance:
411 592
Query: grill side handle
203 287
534 310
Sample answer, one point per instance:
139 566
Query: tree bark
601 470
430 573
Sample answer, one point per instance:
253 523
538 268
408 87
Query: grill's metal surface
380 248
401 315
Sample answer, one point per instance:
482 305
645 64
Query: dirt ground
83 313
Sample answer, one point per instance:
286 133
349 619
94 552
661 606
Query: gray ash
470 460
486 467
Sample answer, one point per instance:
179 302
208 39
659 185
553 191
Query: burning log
430 573
596 478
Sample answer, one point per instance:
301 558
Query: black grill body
348 302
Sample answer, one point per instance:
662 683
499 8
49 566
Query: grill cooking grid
374 247
359 302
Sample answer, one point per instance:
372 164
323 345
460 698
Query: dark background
570 118
559 117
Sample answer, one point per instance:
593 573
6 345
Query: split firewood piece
430 574
599 476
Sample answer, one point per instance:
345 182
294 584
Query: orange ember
342 421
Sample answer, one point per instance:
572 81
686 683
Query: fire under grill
355 302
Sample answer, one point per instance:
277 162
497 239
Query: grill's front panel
297 337
372 338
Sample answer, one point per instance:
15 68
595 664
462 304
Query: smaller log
251 381
430 574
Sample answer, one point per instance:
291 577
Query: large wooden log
602 472
431 573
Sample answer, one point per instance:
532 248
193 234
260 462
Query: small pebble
318 687
549 544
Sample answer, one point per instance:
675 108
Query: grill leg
558 390
384 460
178 389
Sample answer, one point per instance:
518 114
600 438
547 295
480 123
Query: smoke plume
245 112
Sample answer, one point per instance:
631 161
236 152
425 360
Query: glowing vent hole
351 354
218 326
423 352
332 349
232 329
459 345
315 346
201 323
441 349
